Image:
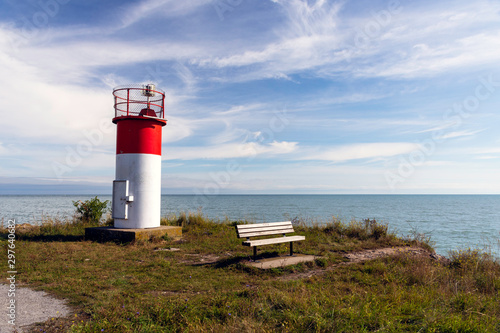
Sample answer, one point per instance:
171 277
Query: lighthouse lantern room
139 116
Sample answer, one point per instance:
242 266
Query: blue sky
269 96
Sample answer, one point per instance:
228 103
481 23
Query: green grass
204 287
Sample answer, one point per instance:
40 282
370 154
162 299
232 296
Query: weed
91 210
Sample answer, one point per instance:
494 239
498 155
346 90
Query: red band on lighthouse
138 135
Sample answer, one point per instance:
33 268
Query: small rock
172 249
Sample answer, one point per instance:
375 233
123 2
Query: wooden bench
265 229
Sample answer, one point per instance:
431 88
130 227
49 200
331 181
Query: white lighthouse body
139 116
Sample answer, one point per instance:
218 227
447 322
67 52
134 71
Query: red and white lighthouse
139 116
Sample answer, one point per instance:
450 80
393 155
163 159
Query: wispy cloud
304 42
360 151
247 150
416 42
424 60
165 8
459 134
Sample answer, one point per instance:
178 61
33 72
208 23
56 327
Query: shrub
191 219
469 259
364 230
336 227
376 230
475 270
91 210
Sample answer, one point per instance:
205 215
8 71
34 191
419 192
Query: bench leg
254 253
291 249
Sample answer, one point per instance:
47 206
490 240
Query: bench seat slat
265 232
273 240
262 225
265 228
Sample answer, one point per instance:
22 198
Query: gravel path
30 307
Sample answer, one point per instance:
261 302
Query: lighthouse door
121 199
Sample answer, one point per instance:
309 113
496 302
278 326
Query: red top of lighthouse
139 114
139 100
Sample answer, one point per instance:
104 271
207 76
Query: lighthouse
139 117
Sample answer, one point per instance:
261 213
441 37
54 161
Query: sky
262 97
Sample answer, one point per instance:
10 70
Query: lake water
452 221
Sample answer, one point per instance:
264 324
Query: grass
204 287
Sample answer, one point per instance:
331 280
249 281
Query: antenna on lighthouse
148 90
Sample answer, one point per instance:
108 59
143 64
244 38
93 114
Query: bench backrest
264 229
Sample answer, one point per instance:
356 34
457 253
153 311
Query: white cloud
292 178
310 38
360 151
492 150
230 150
3 149
307 18
282 147
489 153
166 8
187 77
177 128
471 51
490 157
459 134
424 41
329 98
414 42
239 110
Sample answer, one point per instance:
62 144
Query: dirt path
389 251
365 255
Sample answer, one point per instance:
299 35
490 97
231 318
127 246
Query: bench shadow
226 262
223 263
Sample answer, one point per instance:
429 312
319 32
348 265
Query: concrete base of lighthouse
111 234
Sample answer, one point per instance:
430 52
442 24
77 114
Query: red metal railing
139 100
